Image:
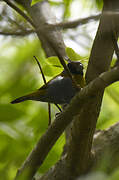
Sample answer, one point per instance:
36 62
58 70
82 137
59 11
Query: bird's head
75 67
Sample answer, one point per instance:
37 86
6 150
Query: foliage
35 1
21 125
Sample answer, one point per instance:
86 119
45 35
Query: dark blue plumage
60 89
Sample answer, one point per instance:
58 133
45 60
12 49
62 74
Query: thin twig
58 107
49 106
20 12
41 70
61 59
39 153
12 21
75 23
80 21
47 39
64 25
49 113
14 33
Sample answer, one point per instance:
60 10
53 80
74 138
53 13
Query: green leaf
72 54
35 1
99 4
52 66
49 70
67 5
114 175
54 3
76 57
110 106
53 60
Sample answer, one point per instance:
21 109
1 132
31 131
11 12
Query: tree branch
40 18
19 11
39 153
45 34
79 22
21 33
75 23
106 143
83 128
91 105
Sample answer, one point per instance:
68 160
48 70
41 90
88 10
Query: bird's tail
20 99
31 96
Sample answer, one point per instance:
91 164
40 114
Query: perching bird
60 89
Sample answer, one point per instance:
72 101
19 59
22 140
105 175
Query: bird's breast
60 90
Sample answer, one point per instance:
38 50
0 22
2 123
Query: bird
60 89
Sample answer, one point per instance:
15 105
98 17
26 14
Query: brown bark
77 159
83 128
39 153
41 15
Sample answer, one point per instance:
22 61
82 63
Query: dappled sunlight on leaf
21 125
109 113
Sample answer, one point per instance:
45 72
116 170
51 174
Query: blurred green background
21 125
